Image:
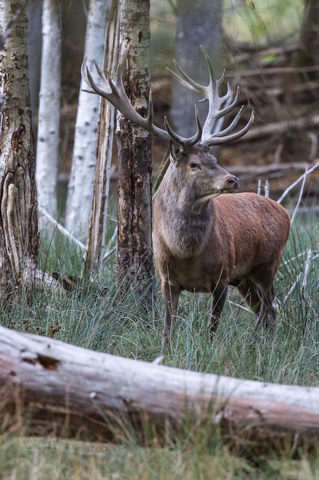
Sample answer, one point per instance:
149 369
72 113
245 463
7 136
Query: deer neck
185 229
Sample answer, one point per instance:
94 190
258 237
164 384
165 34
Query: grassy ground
113 322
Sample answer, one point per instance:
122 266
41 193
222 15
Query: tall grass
104 318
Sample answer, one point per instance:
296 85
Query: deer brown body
204 238
233 239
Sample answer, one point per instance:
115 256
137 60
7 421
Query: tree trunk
93 259
309 36
49 111
69 390
34 12
134 195
199 22
80 189
18 203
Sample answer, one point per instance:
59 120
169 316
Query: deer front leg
218 302
170 297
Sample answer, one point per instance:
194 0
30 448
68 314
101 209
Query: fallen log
70 389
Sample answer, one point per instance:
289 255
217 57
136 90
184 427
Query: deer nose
233 182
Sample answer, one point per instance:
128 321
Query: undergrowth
100 316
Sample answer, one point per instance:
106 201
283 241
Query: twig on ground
240 306
300 196
109 249
61 228
292 288
296 182
297 256
307 270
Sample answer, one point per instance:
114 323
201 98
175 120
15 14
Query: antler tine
187 82
229 108
150 113
185 143
231 127
223 138
100 72
212 81
116 95
221 79
85 77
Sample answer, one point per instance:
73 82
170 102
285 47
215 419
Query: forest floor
103 318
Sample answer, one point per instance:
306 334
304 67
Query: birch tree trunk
68 390
49 111
134 194
93 259
18 199
199 22
80 189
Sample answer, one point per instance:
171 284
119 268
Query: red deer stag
205 240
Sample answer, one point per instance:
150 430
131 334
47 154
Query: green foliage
262 22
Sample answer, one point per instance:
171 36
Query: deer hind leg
252 295
170 298
267 314
218 302
260 301
268 319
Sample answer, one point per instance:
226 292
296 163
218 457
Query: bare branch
61 228
307 270
300 196
296 182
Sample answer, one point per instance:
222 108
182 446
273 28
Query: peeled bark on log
70 390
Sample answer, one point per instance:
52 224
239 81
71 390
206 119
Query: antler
210 93
115 94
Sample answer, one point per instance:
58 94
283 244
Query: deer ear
175 152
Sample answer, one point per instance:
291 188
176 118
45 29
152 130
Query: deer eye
194 165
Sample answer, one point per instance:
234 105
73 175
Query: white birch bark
49 111
93 259
92 392
80 189
18 204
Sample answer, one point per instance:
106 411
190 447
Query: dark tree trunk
18 199
134 203
34 12
199 22
309 37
